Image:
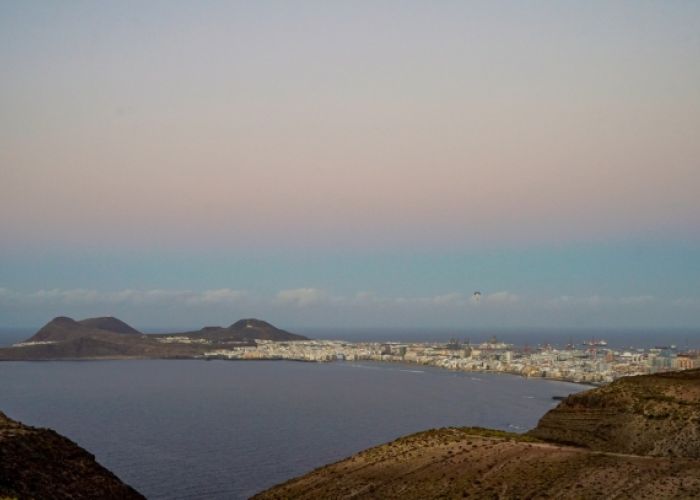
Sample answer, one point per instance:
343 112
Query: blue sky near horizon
671 271
632 285
367 164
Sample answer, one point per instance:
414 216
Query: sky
355 164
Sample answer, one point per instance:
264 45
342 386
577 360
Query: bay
228 429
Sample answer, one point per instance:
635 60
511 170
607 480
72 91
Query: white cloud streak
84 297
303 297
598 301
316 297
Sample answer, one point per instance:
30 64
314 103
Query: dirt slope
469 463
39 463
657 415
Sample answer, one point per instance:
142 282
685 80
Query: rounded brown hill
246 329
64 328
657 415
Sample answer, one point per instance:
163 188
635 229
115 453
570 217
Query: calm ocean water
227 429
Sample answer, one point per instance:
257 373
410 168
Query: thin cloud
302 297
311 296
219 296
687 302
595 301
84 297
501 298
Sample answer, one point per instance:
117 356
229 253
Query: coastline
381 361
493 372
406 362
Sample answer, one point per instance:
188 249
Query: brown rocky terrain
39 463
472 463
635 438
657 415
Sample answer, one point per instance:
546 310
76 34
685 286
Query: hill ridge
543 463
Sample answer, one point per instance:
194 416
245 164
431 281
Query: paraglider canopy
477 296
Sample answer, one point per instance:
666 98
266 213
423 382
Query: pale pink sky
351 163
348 124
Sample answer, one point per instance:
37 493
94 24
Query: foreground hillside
463 463
39 463
657 415
638 437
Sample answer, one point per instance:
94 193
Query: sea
228 429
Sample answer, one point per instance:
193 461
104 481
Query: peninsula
64 338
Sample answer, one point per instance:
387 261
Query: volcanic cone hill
636 438
39 463
109 323
93 338
62 328
111 338
245 329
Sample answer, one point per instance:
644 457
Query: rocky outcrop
656 415
474 463
39 463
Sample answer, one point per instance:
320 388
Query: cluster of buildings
592 363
